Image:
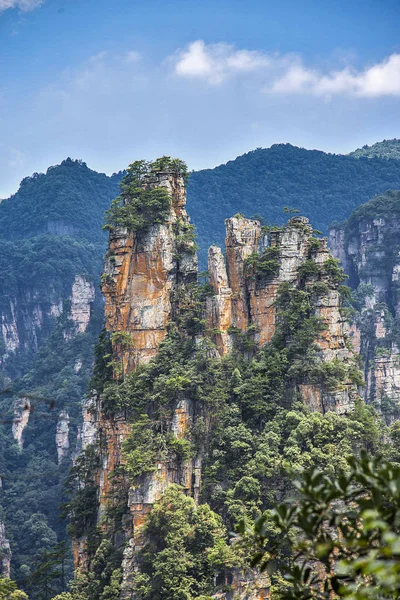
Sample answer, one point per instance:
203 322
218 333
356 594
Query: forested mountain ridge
384 149
69 199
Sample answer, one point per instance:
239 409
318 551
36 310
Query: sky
110 82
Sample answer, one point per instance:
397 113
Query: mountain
51 232
325 187
384 149
51 313
69 199
208 398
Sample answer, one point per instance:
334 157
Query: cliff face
142 273
29 317
368 246
247 287
148 278
145 275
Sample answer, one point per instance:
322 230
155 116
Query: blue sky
110 82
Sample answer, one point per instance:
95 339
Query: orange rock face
144 274
141 271
242 298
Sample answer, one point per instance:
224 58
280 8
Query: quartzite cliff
368 246
146 281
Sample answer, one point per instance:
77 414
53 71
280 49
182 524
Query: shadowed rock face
241 299
5 561
368 246
22 411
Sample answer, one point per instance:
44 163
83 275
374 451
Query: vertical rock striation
368 244
141 274
82 297
22 411
62 435
246 292
144 278
147 280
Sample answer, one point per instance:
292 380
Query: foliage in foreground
341 538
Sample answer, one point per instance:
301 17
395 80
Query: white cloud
381 79
215 63
285 74
25 5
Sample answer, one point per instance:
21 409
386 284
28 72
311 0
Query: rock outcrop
246 292
62 435
368 246
141 274
22 411
5 553
144 276
27 319
148 277
82 297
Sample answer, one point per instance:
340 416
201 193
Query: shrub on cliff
138 206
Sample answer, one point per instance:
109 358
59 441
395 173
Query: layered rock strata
141 273
146 276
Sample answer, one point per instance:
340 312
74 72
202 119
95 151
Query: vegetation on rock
138 206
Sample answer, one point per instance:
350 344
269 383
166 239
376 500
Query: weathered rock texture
145 281
28 318
145 274
141 273
368 245
62 435
5 553
22 411
82 297
243 299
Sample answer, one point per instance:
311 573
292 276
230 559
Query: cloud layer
24 5
216 63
